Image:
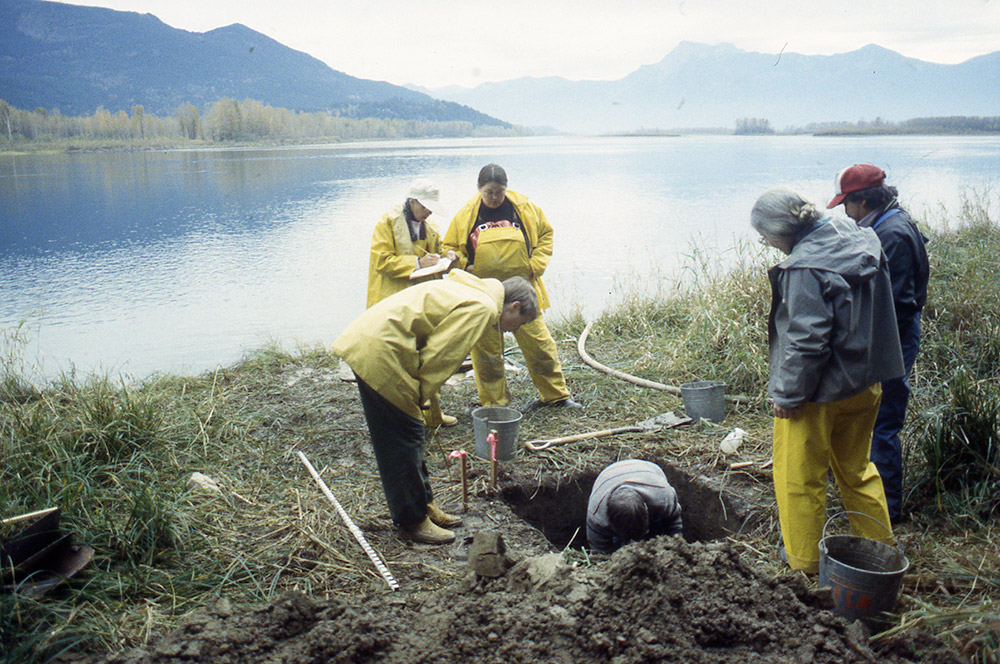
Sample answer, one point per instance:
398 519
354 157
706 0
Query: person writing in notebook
406 240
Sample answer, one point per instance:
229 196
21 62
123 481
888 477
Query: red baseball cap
855 178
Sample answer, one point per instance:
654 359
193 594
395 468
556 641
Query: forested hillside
225 121
78 59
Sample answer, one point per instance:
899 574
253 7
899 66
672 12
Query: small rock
224 607
199 482
486 554
345 373
732 441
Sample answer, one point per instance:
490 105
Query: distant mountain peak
712 85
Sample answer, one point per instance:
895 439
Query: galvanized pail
505 421
864 574
705 398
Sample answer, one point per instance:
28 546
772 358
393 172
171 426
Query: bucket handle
899 547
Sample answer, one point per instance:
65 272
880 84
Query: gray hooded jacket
832 329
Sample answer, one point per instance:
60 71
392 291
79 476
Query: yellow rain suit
394 255
406 346
503 253
833 339
393 259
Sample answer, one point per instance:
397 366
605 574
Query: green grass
707 325
116 459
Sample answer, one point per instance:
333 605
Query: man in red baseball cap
869 201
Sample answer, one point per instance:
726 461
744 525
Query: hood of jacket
491 287
837 245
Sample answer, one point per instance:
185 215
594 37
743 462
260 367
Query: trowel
665 420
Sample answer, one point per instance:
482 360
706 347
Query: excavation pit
559 508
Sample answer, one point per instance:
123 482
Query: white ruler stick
358 535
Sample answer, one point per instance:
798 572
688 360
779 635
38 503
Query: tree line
746 126
951 125
227 120
954 124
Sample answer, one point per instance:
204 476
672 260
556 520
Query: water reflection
181 260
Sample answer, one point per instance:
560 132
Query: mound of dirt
665 600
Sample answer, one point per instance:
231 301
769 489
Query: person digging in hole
402 349
630 501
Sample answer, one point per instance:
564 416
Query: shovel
665 420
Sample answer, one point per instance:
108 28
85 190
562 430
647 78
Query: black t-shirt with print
503 212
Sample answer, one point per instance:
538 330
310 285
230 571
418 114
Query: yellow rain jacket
394 255
502 252
406 346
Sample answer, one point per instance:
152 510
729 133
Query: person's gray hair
519 289
782 212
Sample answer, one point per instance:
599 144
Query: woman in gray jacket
833 339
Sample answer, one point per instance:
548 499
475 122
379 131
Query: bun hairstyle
807 213
782 213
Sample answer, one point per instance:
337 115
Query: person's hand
428 260
783 413
452 256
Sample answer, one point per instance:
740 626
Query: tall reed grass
116 458
953 446
707 324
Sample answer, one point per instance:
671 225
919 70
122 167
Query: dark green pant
398 441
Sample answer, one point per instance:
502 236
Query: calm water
181 261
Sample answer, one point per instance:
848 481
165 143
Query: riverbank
117 461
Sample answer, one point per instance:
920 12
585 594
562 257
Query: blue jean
887 451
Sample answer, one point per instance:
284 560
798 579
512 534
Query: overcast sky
435 43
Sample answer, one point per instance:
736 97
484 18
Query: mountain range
76 59
699 85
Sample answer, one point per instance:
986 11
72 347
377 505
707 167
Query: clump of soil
658 601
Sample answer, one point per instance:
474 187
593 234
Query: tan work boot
427 533
448 420
442 518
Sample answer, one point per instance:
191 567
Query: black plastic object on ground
35 555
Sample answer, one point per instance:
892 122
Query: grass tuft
117 459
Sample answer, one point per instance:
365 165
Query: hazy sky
435 43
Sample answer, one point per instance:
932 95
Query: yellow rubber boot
441 518
427 533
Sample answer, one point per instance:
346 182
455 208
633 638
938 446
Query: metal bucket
505 421
705 398
864 574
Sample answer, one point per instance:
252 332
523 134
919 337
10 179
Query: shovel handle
538 445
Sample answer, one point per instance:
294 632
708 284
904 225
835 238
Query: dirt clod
664 600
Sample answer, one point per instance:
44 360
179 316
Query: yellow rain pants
540 356
820 437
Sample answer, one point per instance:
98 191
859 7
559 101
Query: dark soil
711 597
660 601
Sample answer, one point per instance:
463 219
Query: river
132 263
